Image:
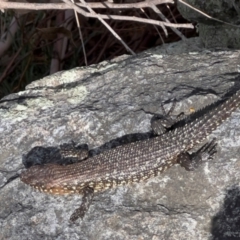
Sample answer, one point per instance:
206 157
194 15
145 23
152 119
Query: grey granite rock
224 33
106 101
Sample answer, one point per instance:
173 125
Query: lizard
133 162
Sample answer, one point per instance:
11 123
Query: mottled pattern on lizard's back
132 162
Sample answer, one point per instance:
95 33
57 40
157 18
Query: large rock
103 102
217 21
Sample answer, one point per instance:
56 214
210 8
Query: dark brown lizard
132 162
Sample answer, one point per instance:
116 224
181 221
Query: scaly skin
132 162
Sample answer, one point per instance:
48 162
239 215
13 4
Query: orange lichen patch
192 110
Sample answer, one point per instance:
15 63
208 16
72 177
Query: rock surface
104 102
221 32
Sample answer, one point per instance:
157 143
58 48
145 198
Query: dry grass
48 41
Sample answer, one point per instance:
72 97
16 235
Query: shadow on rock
226 223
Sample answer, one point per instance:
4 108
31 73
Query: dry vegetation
40 39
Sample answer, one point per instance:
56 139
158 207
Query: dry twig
35 6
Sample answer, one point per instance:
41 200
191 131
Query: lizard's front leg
88 193
191 161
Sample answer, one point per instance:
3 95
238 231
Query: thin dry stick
109 28
142 4
156 27
81 37
206 15
144 20
174 19
103 22
6 70
7 38
161 15
163 27
117 17
63 6
135 19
